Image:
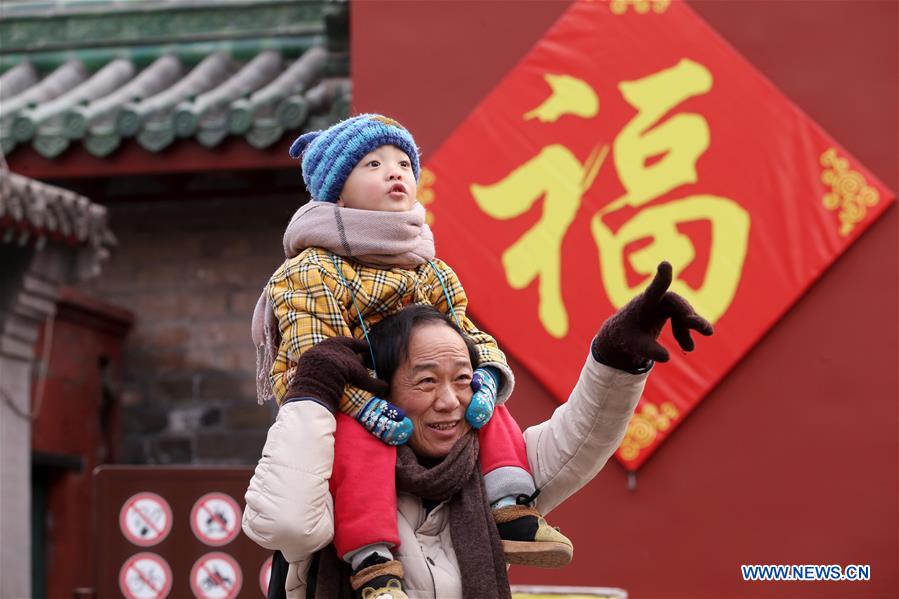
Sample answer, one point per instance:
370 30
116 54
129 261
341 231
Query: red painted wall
69 423
793 458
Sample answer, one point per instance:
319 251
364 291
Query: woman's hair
389 338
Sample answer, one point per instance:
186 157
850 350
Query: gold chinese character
570 95
676 144
729 241
651 158
556 175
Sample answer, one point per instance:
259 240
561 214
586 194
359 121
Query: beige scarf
372 238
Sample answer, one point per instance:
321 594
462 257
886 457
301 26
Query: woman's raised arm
570 448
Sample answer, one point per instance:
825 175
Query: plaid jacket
312 303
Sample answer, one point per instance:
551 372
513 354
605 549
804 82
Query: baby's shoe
378 578
529 541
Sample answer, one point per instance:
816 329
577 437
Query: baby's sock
504 502
354 558
506 484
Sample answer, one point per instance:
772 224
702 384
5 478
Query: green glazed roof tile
212 78
17 79
105 81
54 85
292 111
102 144
156 136
103 112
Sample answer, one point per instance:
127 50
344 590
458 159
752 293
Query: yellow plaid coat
312 303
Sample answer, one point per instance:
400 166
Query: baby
359 251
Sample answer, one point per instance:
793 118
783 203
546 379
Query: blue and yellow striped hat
330 155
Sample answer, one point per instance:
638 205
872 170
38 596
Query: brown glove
627 339
325 369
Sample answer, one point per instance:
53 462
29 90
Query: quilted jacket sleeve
289 505
568 450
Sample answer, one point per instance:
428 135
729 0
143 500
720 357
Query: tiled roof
258 99
35 213
99 72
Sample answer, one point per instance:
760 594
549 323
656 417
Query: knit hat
330 155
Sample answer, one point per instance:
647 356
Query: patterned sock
504 502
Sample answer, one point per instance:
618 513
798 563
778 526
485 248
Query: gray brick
191 271
172 450
193 418
145 417
248 416
235 447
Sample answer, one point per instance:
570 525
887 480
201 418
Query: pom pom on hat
329 156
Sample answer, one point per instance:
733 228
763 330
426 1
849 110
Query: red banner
631 134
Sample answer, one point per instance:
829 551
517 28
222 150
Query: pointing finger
659 284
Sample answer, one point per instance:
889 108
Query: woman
449 544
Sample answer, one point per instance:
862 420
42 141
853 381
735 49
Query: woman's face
433 387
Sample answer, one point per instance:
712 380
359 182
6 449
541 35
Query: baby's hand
484 381
385 421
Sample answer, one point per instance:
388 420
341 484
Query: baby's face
383 180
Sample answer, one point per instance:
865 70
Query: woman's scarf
372 237
476 541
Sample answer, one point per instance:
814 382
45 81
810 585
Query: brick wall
191 272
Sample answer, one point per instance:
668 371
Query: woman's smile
433 387
444 431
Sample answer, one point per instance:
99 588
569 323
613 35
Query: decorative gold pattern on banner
646 424
850 191
619 7
426 192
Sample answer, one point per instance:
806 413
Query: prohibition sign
265 575
145 519
145 576
214 519
216 576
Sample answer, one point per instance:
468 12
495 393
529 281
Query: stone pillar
28 294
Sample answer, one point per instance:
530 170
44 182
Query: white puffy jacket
289 506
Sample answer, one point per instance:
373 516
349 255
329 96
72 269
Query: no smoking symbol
145 519
145 576
216 576
214 519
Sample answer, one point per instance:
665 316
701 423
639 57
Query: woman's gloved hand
627 339
326 368
484 382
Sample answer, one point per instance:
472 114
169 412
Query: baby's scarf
372 238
